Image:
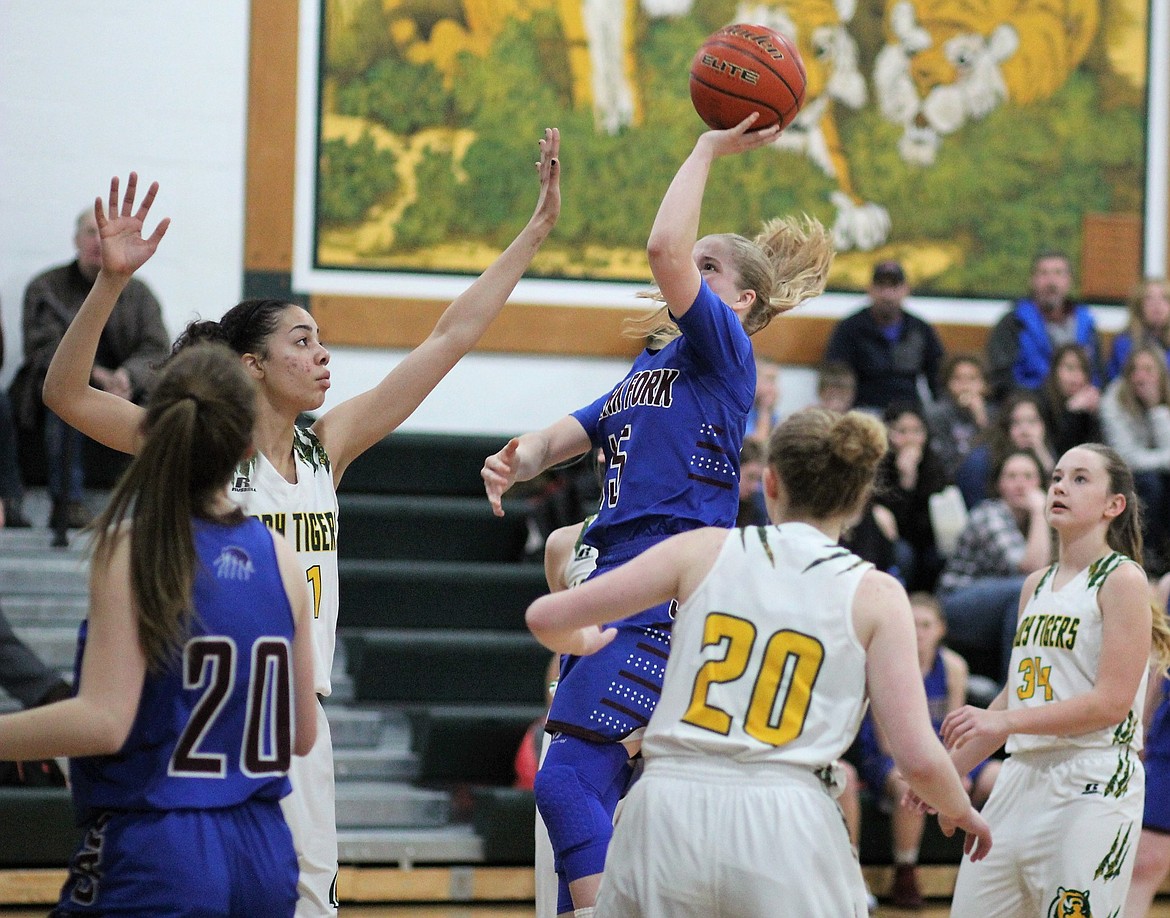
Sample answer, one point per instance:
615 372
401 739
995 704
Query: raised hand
740 138
124 248
548 204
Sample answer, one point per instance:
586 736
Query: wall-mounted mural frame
555 316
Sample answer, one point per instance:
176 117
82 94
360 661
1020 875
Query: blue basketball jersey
672 431
214 728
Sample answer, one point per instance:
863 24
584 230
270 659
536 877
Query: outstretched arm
102 415
113 668
676 227
357 424
526 456
569 621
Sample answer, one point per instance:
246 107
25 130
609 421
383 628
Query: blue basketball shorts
237 861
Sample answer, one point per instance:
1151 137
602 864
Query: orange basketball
746 68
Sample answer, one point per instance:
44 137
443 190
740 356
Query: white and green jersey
765 666
306 513
1056 654
583 561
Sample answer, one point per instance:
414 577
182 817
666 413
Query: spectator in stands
11 483
908 475
1021 345
765 410
1069 400
944 676
23 674
961 415
1135 420
752 461
1006 538
893 352
1148 326
1018 425
836 386
132 343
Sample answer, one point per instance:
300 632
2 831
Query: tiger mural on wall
947 62
599 43
820 31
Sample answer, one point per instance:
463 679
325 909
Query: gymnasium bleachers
435 683
433 593
436 678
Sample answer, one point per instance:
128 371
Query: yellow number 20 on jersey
790 664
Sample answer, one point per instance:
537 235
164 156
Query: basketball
746 68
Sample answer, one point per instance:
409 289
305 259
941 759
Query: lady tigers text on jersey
1047 631
310 531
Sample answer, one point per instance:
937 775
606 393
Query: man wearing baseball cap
892 351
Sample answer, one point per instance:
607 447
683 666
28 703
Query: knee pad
572 812
576 792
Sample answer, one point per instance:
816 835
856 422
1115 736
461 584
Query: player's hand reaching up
124 248
738 139
548 203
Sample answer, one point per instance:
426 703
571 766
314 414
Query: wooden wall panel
272 127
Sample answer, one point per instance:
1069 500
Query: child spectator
1149 324
1069 400
765 410
908 475
944 675
753 456
962 413
1018 426
836 386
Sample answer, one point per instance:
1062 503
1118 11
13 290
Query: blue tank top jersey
672 432
214 728
1158 735
937 696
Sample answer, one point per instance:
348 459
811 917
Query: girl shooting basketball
671 431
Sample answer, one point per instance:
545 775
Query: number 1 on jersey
313 575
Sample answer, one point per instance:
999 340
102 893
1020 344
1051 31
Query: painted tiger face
947 62
1070 903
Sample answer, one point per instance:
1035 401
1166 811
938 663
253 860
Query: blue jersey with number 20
215 728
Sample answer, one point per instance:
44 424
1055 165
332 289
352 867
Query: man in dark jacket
1020 347
133 342
891 350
